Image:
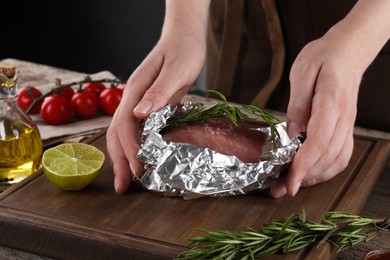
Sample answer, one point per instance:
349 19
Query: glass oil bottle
20 141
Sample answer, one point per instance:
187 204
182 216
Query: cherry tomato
95 87
56 110
67 93
109 100
84 104
26 97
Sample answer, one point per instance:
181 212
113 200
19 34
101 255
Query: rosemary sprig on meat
283 236
234 113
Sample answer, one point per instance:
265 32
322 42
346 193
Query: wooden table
73 227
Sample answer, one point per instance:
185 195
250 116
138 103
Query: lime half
72 166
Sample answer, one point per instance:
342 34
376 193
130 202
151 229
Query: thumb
300 103
168 88
303 79
298 114
157 97
294 128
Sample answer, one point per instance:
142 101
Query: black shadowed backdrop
86 36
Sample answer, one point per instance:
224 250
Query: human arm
163 77
325 79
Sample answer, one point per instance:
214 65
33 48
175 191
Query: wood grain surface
39 221
96 223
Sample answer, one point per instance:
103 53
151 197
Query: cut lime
72 166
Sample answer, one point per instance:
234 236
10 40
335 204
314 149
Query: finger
142 78
119 162
129 128
318 135
178 96
303 77
278 189
341 162
172 83
124 122
331 162
129 139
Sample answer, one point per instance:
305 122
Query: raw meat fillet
221 136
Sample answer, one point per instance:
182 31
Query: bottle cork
7 74
7 70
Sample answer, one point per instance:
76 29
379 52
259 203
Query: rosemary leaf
361 222
319 227
230 242
283 236
299 242
234 113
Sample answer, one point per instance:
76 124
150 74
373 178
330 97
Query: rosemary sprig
58 86
234 113
283 236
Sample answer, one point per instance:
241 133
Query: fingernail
116 184
132 169
293 129
296 188
143 107
279 193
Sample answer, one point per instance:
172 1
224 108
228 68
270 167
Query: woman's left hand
324 79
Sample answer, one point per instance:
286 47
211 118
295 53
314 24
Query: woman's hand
324 87
325 79
162 78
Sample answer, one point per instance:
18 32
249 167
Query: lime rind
72 166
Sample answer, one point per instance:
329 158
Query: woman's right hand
164 77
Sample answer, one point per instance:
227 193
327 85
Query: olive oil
20 141
20 150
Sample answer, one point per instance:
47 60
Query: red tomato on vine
67 93
109 100
84 104
26 97
95 87
56 110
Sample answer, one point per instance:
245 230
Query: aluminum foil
179 169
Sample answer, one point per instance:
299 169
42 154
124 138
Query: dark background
86 36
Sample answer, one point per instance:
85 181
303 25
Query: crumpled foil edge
179 169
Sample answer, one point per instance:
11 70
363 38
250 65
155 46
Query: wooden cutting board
97 223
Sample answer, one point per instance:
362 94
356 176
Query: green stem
283 236
234 113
